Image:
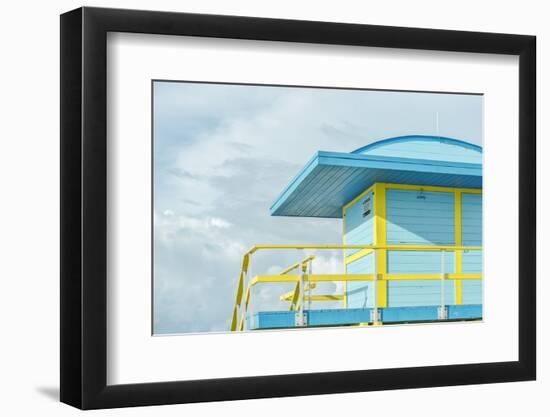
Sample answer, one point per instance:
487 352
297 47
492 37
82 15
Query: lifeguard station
411 210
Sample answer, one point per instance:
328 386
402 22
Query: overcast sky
222 154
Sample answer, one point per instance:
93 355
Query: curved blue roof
425 138
331 179
436 148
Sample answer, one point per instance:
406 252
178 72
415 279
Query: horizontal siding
417 221
472 291
419 293
471 219
411 220
358 229
363 265
472 261
411 262
432 150
360 294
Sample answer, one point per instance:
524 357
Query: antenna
437 124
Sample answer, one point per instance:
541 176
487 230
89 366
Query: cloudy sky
222 154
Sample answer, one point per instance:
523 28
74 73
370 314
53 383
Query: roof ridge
428 138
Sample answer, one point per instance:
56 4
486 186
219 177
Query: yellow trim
379 243
380 239
240 289
357 255
344 253
338 277
458 291
297 265
455 276
295 294
292 296
294 301
312 277
319 297
355 199
432 188
429 247
358 277
373 246
458 242
233 325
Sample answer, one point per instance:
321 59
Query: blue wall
414 217
360 293
419 293
421 262
419 217
472 291
471 236
359 230
471 219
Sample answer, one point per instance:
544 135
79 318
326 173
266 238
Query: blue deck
342 317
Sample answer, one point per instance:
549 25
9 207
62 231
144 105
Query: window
366 207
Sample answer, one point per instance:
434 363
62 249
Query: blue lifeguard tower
411 210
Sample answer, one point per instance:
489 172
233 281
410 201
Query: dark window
366 207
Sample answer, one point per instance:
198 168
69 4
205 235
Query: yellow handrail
240 288
388 247
311 279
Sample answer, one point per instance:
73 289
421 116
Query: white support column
442 311
299 318
250 308
375 316
309 289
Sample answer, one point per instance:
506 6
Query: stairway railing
307 281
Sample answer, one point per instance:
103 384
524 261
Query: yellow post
380 239
458 242
344 253
358 254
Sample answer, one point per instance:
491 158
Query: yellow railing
306 281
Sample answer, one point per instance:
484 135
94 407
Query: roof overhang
332 179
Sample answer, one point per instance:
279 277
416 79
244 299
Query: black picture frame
84 207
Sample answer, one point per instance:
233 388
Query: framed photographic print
258 207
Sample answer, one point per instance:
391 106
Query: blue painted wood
332 179
419 293
418 262
471 311
336 317
359 227
360 294
471 219
472 290
426 147
427 138
472 261
419 217
424 218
